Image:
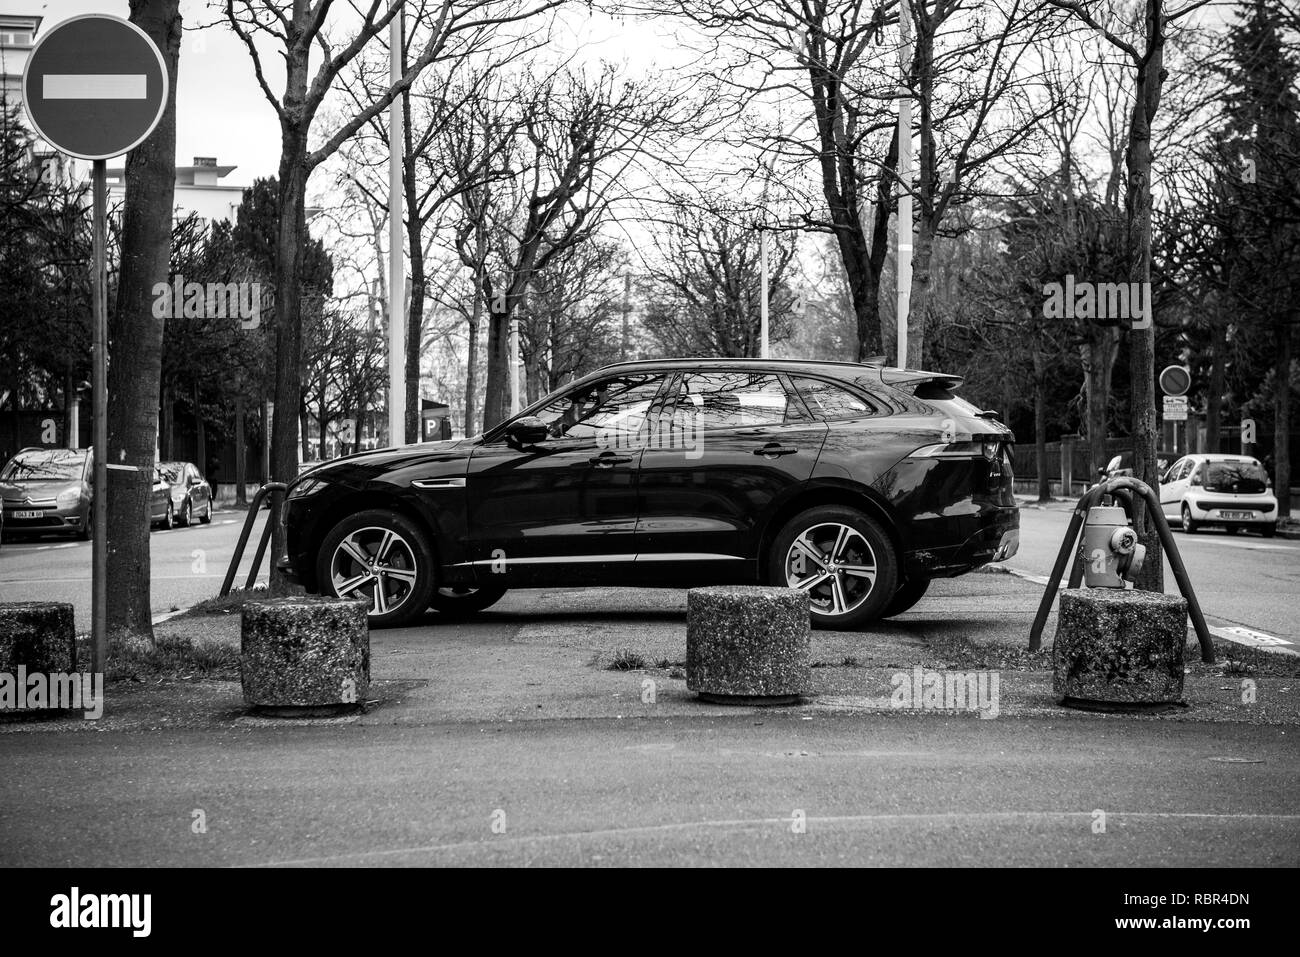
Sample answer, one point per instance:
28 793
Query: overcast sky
222 113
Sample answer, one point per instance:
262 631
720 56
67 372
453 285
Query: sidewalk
549 655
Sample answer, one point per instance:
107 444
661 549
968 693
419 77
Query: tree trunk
415 312
496 396
200 435
1214 401
241 459
471 376
1282 419
1142 341
1040 429
304 433
166 423
288 326
136 338
922 256
1098 356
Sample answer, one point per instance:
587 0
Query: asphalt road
1239 579
187 566
874 790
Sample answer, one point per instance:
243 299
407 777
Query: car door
1171 491
727 451
563 511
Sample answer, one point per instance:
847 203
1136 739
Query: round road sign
1175 380
95 86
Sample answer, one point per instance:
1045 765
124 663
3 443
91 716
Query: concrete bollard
304 656
36 638
748 644
1119 650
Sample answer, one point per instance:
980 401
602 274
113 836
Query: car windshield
47 464
172 470
1236 476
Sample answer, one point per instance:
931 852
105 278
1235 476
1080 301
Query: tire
908 594
856 542
184 520
206 517
1189 526
168 519
458 602
404 550
87 526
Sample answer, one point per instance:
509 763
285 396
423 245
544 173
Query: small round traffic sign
95 86
1175 380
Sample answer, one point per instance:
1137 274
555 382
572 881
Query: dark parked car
190 493
48 490
856 482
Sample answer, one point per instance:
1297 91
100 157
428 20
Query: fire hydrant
1111 552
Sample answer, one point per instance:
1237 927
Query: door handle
774 449
608 460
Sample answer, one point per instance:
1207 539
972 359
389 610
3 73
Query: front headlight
71 497
306 487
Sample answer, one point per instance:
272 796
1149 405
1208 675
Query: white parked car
1232 491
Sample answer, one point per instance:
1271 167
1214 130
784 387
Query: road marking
1248 636
868 819
95 86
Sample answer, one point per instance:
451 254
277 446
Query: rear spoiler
923 385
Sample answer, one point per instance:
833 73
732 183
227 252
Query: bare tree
1146 56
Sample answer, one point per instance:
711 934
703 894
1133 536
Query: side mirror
1113 464
528 430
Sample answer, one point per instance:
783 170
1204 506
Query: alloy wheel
835 564
376 564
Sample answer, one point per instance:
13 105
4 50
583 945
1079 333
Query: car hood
36 489
424 459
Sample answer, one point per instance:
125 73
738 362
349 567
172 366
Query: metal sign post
94 87
99 385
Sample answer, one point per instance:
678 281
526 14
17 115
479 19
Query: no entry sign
95 86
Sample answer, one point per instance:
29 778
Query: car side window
732 400
828 401
612 408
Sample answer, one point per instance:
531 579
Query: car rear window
829 401
1247 477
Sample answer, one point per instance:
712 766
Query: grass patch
626 661
171 656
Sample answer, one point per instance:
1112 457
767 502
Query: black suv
856 482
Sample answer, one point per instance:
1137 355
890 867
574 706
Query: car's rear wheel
842 558
455 601
908 594
1189 525
382 558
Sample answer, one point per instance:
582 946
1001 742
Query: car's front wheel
842 558
456 602
382 558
